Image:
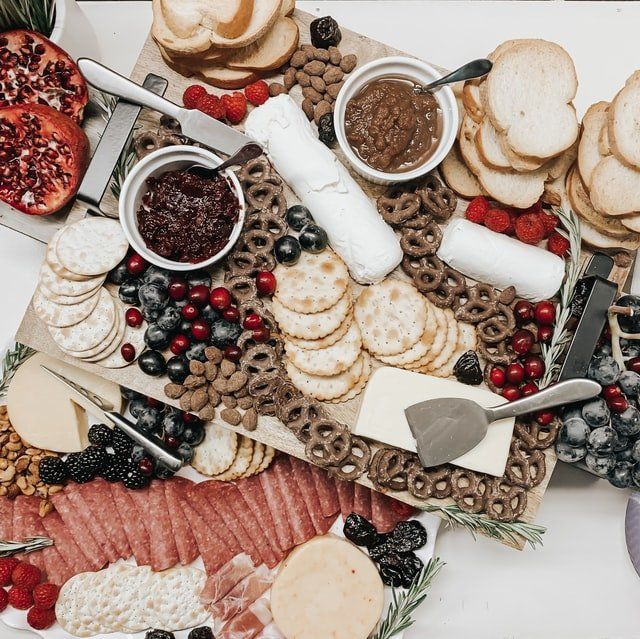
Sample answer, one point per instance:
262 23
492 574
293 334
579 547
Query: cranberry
190 312
511 393
545 313
128 352
498 377
152 402
515 373
189 418
523 311
177 289
133 317
252 322
136 264
145 466
232 353
200 330
545 333
534 367
545 417
611 391
261 334
618 404
522 341
171 442
529 388
220 298
231 314
266 283
199 295
633 364
179 344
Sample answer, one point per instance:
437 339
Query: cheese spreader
447 427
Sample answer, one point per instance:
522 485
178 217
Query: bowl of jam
387 130
178 216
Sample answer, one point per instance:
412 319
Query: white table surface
581 583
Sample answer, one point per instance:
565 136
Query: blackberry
326 130
94 458
112 469
121 443
132 478
203 632
52 470
78 469
159 634
100 435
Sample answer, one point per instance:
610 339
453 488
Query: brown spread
391 128
186 217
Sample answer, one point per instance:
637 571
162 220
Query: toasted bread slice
288 7
457 175
603 140
588 151
615 187
593 237
196 41
224 78
233 17
632 223
471 100
264 15
624 125
488 145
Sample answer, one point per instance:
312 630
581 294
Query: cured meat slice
386 512
186 543
6 518
75 523
362 501
273 497
220 583
248 624
345 497
326 489
271 631
253 494
25 524
164 553
301 525
100 502
304 479
134 529
241 596
65 543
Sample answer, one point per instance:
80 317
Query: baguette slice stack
226 43
519 126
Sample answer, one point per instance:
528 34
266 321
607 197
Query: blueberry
184 327
624 455
602 440
193 434
119 274
570 454
137 405
151 315
287 250
635 451
173 425
185 452
604 370
129 394
152 363
627 422
209 314
156 337
153 297
570 411
574 432
629 382
128 292
596 413
149 420
630 324
137 453
298 216
313 238
630 348
600 465
157 275
197 278
620 476
162 472
224 333
621 443
178 369
169 319
196 351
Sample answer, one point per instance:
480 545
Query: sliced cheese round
327 588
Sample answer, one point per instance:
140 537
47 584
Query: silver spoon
244 154
469 71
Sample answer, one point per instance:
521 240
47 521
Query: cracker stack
518 127
313 308
226 43
604 185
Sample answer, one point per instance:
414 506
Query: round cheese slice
327 588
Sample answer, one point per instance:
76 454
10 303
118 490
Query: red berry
145 466
235 105
511 393
4 599
171 442
252 322
191 95
179 344
558 244
633 364
20 597
41 618
618 404
529 388
261 334
545 313
523 310
545 417
199 295
497 377
477 209
26 575
257 92
529 228
136 264
515 373
45 595
177 289
128 352
534 367
611 391
497 220
212 105
522 341
189 312
220 298
513 217
266 283
232 353
549 222
189 418
545 333
231 314
133 317
200 330
7 564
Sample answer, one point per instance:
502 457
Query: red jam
185 217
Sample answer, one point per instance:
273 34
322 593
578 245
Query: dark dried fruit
411 566
407 536
382 549
467 369
203 632
325 32
391 575
326 130
361 532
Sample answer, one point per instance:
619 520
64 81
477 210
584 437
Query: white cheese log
355 229
500 260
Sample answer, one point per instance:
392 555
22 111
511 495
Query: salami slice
25 524
326 489
273 497
65 543
304 480
383 513
362 501
299 521
134 529
253 494
164 553
345 497
222 581
6 518
186 544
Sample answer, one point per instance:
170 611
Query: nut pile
320 73
212 383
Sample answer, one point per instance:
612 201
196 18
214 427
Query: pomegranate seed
128 352
179 344
545 313
498 377
133 317
529 388
611 391
511 393
261 334
523 311
199 296
220 298
200 330
266 283
545 417
545 333
145 466
136 264
231 314
189 312
232 353
515 373
534 367
252 322
189 418
634 364
177 289
522 341
618 404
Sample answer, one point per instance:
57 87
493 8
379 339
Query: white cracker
133 336
80 605
323 342
100 348
216 452
54 263
359 387
269 454
312 325
66 300
450 345
256 459
51 281
439 340
110 344
132 595
467 341
241 463
60 315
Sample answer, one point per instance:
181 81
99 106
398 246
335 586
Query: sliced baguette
458 176
264 15
471 100
197 41
554 188
594 238
288 7
615 187
603 140
233 17
488 145
632 223
624 125
589 151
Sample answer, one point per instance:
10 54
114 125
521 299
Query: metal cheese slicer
469 71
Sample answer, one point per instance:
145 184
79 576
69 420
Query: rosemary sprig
13 358
125 163
501 530
552 351
30 544
404 603
37 15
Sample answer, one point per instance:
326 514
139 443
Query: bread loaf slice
263 16
632 222
594 238
457 175
471 100
603 140
589 151
192 41
489 147
624 125
615 187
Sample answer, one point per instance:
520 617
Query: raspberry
235 105
549 221
4 599
41 618
513 217
45 595
497 220
557 244
20 598
7 564
211 105
477 209
26 576
192 94
529 228
257 92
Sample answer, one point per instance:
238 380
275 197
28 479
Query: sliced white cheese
48 415
391 390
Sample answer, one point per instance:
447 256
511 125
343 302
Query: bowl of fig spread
388 131
178 216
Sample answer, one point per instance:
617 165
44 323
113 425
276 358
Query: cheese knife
195 125
447 427
152 444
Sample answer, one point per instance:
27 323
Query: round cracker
315 283
314 325
51 281
323 342
331 360
92 246
110 345
217 451
96 350
392 317
362 382
439 340
241 462
269 454
66 300
60 315
450 344
52 260
256 459
133 336
467 341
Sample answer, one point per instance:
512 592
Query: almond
348 63
250 419
303 79
299 59
315 67
318 84
307 107
231 416
333 75
289 78
275 88
312 95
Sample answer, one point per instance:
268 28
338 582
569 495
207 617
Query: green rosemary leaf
30 544
13 358
37 15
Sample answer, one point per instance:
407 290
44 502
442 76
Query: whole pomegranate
43 156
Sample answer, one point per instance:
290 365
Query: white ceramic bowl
399 67
170 158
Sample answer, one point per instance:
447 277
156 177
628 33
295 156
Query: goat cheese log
501 261
355 229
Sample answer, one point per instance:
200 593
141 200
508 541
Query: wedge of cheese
391 390
48 415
